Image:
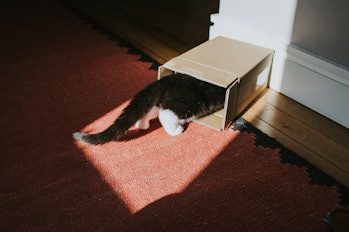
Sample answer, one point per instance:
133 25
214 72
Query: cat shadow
135 133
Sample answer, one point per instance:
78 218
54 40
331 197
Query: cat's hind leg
144 123
170 121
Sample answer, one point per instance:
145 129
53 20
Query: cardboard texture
242 68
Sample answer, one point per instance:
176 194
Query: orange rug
60 75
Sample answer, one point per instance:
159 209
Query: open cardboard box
242 68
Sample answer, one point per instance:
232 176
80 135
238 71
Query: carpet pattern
61 74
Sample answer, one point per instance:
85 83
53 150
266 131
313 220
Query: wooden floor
164 30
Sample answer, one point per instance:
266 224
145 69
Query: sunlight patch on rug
149 165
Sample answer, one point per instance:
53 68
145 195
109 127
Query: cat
176 99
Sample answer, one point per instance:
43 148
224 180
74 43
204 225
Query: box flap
219 61
201 71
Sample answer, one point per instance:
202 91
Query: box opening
242 69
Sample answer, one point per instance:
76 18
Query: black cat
176 99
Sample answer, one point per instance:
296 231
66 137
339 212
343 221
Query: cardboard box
242 68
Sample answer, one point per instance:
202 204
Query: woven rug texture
61 73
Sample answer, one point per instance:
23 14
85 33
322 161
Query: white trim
314 82
326 68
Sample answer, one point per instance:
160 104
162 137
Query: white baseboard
310 80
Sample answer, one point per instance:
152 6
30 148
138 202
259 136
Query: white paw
144 123
170 122
140 124
175 131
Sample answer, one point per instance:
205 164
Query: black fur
186 96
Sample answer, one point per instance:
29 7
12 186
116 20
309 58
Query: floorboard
316 138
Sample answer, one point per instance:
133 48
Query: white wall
327 21
276 21
315 82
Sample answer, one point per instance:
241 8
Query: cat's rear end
177 99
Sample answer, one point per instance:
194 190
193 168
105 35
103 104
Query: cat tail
139 106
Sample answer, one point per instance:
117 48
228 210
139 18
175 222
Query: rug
61 73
